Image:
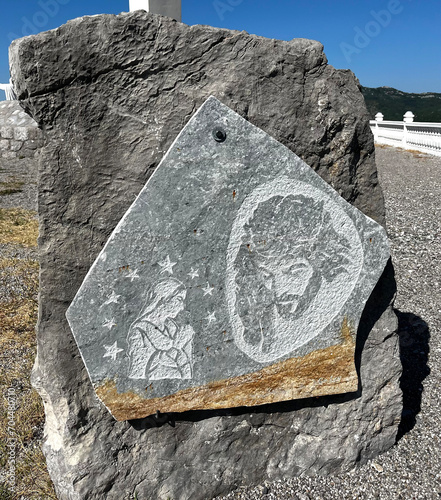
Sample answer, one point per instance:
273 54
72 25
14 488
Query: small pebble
377 467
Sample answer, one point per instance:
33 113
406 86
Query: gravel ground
22 170
412 468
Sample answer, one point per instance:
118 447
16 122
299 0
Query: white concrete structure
408 117
419 136
9 91
169 8
379 117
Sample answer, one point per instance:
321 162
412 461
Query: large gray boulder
111 94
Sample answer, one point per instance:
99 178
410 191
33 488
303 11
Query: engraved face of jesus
275 266
288 270
288 278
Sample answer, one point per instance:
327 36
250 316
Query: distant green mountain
393 104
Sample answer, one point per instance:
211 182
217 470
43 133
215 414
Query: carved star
211 318
112 350
167 265
133 275
109 323
113 299
193 274
208 290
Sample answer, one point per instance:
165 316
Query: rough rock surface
111 96
134 314
19 134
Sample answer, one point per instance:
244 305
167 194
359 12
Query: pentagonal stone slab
237 278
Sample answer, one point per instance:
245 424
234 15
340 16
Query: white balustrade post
379 117
169 8
407 118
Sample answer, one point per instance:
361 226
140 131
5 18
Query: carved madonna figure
159 347
293 259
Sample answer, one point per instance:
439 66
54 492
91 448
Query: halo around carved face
279 275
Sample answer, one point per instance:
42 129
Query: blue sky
384 42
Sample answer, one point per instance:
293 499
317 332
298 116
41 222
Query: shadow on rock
414 353
161 419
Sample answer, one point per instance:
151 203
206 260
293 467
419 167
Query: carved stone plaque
237 278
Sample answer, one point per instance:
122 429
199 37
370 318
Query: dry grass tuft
18 317
11 186
18 226
414 152
32 483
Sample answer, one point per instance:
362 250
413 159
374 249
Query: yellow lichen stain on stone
322 372
334 170
347 332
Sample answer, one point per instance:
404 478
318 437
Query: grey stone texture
20 136
170 8
113 94
237 277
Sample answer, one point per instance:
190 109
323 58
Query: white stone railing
9 91
419 136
